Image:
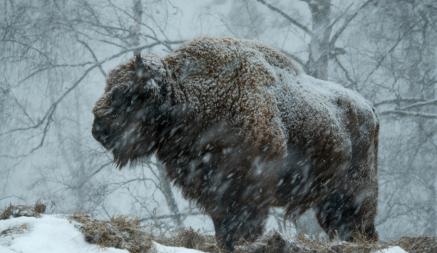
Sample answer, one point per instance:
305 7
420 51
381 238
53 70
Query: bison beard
241 129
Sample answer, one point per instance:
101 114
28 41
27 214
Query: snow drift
58 234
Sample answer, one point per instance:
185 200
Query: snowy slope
55 234
158 248
395 249
52 234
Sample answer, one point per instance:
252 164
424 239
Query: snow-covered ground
158 248
395 249
55 234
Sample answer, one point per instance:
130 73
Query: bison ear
148 78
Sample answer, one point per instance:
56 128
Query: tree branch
171 216
409 114
91 51
352 82
286 16
46 119
347 22
392 48
398 100
420 104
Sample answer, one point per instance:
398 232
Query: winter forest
55 57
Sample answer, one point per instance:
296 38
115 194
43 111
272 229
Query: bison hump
232 80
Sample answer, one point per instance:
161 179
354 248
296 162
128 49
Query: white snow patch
56 234
48 234
159 248
395 249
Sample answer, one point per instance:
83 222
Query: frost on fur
240 128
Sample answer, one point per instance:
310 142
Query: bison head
128 115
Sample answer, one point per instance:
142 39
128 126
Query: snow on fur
217 72
239 126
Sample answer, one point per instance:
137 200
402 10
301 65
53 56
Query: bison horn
139 65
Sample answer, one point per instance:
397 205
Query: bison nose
99 132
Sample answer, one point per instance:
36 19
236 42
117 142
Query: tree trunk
136 28
165 188
318 60
432 207
422 61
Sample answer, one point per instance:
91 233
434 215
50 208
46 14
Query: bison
241 128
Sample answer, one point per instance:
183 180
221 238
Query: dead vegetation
119 232
11 231
189 238
274 243
23 210
126 233
418 244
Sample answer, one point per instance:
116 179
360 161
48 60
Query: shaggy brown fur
240 129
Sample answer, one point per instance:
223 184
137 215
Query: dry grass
6 213
12 231
126 233
22 210
274 243
39 207
119 232
418 244
190 238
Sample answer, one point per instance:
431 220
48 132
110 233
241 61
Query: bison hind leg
348 218
349 210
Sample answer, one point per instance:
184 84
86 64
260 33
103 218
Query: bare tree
47 46
56 54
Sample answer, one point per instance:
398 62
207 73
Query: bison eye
118 95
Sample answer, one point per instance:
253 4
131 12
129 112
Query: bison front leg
246 223
225 229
